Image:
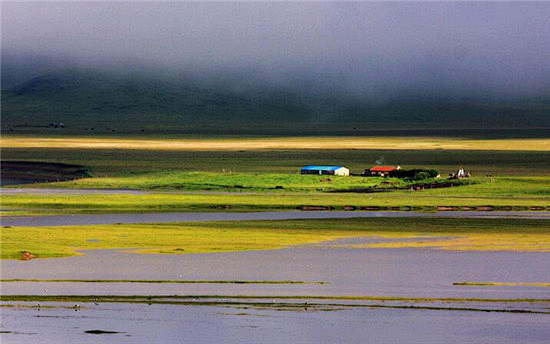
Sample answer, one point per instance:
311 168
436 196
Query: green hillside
99 103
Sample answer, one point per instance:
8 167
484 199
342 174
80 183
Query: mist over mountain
373 49
257 66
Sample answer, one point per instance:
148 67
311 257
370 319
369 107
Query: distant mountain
19 67
101 102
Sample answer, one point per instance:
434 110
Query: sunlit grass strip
277 143
503 284
159 281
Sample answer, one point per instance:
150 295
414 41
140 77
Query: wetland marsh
178 238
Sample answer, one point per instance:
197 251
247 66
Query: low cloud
372 50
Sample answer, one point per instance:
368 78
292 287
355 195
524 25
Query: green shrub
414 174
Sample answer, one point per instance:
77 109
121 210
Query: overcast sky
502 48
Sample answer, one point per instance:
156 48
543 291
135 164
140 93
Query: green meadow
229 181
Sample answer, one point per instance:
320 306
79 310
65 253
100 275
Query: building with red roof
382 171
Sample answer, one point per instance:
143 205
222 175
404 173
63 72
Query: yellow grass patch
201 237
156 238
469 242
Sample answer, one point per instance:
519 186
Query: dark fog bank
373 51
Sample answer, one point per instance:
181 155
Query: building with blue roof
331 170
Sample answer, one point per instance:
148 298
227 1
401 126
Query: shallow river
345 271
356 272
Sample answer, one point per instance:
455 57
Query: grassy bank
528 193
208 237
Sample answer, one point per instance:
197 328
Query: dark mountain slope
83 100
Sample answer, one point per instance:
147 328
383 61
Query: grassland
282 155
519 170
256 182
204 237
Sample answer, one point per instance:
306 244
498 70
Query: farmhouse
332 170
382 171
